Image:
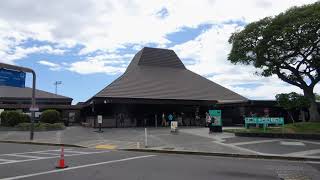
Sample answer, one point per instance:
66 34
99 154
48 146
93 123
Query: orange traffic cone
61 164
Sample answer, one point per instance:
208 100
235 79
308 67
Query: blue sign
12 78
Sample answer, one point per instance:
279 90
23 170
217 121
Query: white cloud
210 52
52 66
107 26
108 63
94 66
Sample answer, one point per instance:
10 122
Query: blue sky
88 44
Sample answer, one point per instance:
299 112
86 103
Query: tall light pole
33 107
56 84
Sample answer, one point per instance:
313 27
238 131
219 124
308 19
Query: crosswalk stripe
25 156
33 158
35 151
56 154
7 160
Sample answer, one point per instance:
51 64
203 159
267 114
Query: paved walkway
263 146
190 139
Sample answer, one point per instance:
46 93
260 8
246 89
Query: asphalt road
20 161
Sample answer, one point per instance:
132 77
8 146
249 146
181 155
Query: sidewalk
188 139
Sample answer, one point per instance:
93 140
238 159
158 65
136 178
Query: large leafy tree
287 45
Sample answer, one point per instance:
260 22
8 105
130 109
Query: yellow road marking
106 146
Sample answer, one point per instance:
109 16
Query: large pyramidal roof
160 74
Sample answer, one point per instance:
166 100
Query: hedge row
12 118
40 126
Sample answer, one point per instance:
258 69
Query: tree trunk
291 117
302 116
313 109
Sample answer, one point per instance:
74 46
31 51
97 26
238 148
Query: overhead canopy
160 74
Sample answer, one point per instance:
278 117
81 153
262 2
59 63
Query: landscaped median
303 130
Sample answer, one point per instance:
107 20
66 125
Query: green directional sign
265 121
215 117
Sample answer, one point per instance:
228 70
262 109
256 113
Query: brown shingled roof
25 93
159 74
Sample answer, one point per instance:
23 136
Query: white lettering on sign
100 119
34 109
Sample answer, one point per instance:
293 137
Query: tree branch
285 79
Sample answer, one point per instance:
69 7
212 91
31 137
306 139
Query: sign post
1 110
100 122
145 138
33 100
217 121
174 126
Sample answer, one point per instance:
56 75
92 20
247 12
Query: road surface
22 161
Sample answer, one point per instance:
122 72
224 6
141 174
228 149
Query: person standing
209 122
121 120
163 122
170 118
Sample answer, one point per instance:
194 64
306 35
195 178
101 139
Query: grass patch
296 128
40 126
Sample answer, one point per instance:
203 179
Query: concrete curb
275 157
280 135
41 143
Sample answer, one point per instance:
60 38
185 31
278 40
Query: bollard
145 138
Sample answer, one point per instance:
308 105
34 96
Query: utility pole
56 84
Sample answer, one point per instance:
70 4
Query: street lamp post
56 84
33 100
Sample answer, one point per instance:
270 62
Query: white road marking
238 148
254 142
25 156
56 154
34 151
304 153
311 142
313 162
51 157
290 143
7 160
77 167
76 152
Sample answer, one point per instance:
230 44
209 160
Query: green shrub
40 126
24 118
57 126
50 116
3 117
23 126
13 118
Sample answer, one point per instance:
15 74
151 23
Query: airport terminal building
156 82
